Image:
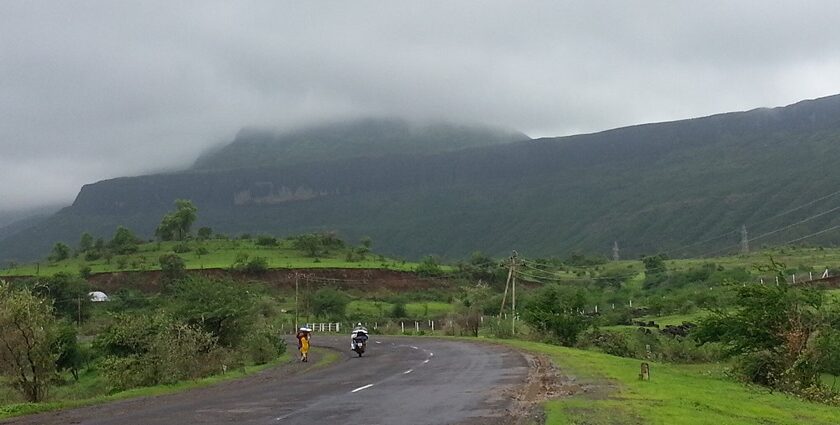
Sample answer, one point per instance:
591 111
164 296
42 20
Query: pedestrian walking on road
303 336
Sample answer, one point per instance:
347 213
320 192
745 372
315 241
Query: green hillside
212 254
683 187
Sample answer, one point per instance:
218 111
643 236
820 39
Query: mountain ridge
652 187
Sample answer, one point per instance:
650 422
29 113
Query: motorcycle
359 338
359 346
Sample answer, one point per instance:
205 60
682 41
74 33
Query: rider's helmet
359 324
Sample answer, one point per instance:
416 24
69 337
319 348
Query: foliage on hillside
684 187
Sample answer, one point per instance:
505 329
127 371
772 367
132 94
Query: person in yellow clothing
303 336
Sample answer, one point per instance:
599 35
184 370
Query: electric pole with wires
510 283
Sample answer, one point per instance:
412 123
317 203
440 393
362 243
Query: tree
429 267
654 264
27 332
172 268
60 252
123 242
771 331
204 233
308 243
329 303
365 248
86 242
66 347
176 224
68 292
217 306
554 310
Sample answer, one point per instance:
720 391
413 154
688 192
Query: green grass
88 390
676 394
416 310
675 319
221 254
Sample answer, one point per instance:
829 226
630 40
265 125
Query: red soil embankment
365 279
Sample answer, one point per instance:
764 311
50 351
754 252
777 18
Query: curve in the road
410 381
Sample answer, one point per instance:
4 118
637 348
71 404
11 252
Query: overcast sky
91 90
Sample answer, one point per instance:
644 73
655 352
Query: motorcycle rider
359 336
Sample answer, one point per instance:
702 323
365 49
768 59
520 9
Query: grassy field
676 394
219 254
675 319
430 309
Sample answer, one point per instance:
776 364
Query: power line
805 220
813 234
754 223
774 231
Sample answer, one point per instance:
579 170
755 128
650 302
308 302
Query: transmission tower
745 241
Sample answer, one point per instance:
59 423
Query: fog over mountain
98 89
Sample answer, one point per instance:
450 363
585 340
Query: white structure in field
98 296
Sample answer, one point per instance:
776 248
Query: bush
246 264
553 311
264 344
143 350
773 333
172 268
608 342
85 271
222 308
181 248
329 303
499 328
266 241
398 309
429 267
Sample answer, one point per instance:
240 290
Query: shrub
27 334
429 267
266 241
608 342
772 332
85 271
329 303
247 264
553 311
172 268
264 344
181 248
222 308
398 309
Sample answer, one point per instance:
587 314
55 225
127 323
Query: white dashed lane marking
362 388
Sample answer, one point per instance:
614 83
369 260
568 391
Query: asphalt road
410 381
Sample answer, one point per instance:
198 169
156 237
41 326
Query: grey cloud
93 90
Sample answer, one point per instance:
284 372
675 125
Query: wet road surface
410 381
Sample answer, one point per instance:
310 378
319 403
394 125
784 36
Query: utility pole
296 302
504 297
79 304
513 294
745 241
616 255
